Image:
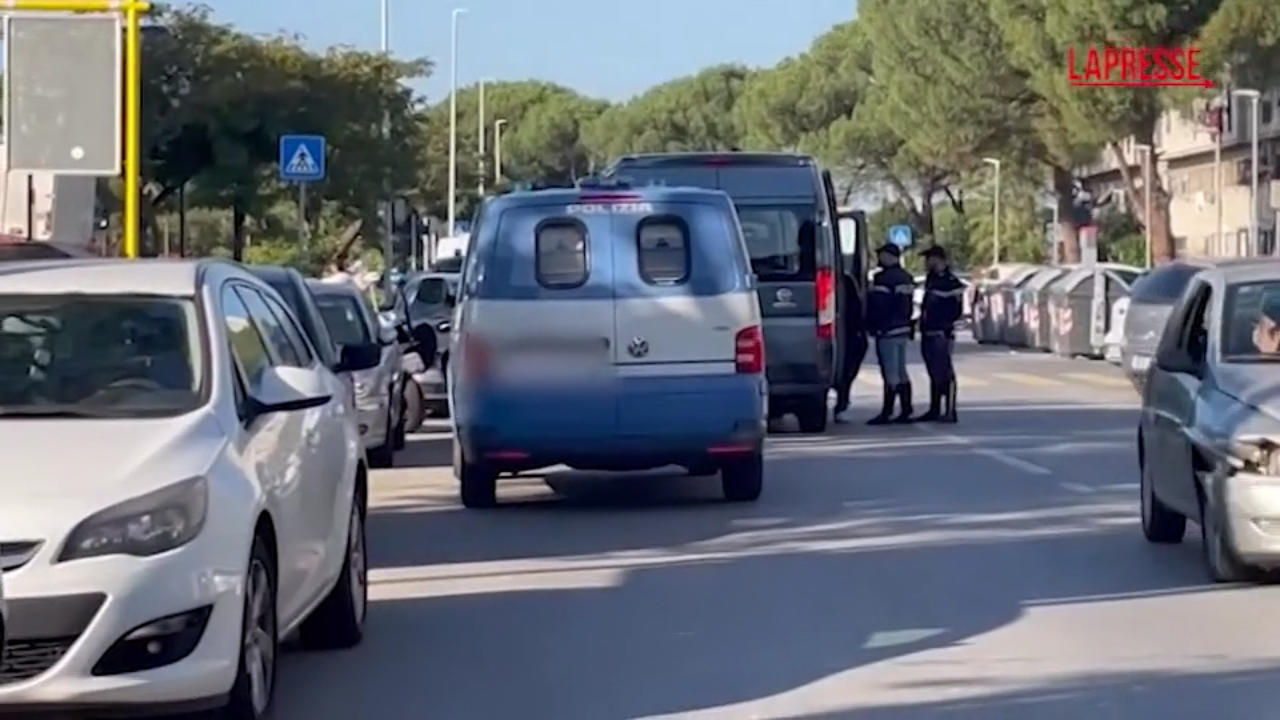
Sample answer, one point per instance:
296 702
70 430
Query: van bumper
512 453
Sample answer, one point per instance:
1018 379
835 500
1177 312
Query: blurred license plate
1140 363
553 365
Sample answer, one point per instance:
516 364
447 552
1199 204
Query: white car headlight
147 525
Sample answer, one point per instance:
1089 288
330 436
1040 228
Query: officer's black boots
950 415
936 396
886 408
904 395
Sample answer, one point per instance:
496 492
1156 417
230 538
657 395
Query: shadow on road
615 641
1231 695
866 473
623 598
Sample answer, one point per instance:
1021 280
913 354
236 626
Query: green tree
217 100
689 113
541 138
1038 34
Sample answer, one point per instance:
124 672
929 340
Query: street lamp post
481 129
498 125
995 211
388 228
1255 123
1148 176
453 119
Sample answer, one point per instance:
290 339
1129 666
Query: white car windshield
99 356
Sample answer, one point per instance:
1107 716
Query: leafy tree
216 101
541 138
689 113
1039 33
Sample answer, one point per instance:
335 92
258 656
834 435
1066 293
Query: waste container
1035 306
1013 333
1071 310
1002 298
985 304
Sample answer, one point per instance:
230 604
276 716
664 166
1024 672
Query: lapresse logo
1112 66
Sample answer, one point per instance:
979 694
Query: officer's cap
891 249
934 251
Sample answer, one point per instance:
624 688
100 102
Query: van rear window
560 254
780 240
662 250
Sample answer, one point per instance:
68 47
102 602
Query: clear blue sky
607 49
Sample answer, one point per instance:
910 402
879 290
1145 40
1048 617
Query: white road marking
1077 488
999 456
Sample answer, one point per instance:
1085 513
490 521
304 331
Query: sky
612 50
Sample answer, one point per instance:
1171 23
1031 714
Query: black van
795 234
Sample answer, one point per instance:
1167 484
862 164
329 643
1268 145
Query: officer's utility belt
895 332
939 333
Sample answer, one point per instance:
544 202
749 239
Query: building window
1267 112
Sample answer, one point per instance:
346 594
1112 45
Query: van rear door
683 295
544 316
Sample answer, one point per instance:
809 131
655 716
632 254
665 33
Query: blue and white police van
608 327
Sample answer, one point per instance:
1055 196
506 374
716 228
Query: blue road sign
900 235
302 158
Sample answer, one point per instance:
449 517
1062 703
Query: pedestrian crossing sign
302 158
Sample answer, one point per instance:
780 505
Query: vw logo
638 347
784 295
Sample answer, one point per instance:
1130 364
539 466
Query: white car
186 488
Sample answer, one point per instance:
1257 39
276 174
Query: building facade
1209 204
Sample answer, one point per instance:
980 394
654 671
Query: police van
608 327
800 243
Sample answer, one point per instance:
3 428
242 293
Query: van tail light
475 356
824 288
749 351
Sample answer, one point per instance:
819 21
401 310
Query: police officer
854 335
941 307
889 305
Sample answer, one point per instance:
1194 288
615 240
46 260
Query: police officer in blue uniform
941 307
889 306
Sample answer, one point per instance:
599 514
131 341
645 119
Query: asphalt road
992 569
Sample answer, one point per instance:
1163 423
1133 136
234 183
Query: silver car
1209 436
351 320
431 299
1151 299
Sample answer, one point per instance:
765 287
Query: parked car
432 297
211 503
1151 299
292 288
379 391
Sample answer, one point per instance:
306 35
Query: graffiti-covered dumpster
1072 312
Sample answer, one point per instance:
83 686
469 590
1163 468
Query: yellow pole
132 129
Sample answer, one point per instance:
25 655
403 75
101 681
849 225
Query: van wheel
812 414
742 479
478 484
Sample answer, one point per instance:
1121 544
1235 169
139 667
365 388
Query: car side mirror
288 389
359 357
